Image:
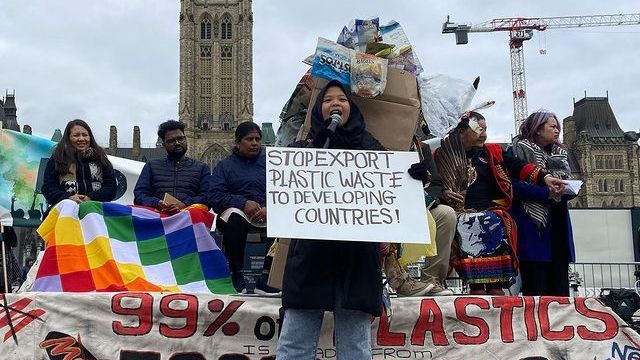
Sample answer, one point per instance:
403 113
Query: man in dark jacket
184 178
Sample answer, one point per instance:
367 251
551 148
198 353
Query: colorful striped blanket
109 247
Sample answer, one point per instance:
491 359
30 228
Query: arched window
621 185
213 154
605 188
226 77
599 185
205 51
225 51
205 29
225 25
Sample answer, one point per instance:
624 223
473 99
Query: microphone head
335 121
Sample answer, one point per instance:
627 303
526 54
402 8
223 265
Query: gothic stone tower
602 157
8 112
216 79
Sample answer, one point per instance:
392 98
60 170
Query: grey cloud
116 62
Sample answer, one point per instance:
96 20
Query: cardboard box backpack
391 117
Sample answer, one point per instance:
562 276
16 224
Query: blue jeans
301 331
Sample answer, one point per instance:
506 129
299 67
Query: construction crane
520 30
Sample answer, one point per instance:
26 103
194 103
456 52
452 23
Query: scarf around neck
556 162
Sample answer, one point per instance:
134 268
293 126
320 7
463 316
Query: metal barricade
588 278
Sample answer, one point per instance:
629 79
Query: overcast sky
116 61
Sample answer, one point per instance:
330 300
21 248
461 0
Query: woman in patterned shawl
545 246
477 181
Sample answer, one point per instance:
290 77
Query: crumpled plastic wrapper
443 99
368 75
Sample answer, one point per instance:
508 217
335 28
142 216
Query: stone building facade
216 76
136 151
601 156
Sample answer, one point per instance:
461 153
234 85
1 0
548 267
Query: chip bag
332 62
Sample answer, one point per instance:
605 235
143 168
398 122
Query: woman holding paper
545 237
325 275
78 169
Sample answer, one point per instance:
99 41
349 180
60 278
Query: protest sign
344 195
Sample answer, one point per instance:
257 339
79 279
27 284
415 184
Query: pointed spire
57 135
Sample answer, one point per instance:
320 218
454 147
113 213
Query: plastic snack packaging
332 62
402 56
368 75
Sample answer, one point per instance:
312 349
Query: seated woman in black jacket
78 168
237 195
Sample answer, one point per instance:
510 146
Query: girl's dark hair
464 121
245 128
168 126
64 153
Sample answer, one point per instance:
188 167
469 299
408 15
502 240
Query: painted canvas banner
107 247
155 326
23 159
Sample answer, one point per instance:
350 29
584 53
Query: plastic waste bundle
364 59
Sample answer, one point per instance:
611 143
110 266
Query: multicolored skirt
484 253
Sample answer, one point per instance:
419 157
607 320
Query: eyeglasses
177 140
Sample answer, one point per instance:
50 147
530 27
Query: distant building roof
146 154
594 116
57 135
268 136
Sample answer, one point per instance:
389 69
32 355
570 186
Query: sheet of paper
572 187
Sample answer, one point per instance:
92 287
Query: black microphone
335 121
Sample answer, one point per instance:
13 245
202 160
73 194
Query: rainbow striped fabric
109 247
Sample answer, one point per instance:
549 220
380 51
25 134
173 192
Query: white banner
127 174
155 326
344 195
